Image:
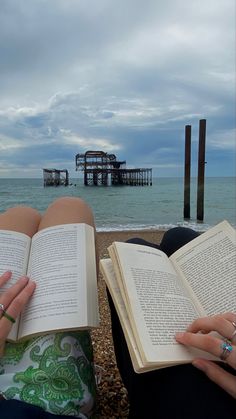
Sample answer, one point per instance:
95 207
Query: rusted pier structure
101 168
55 177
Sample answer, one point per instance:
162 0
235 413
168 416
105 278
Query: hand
225 325
13 300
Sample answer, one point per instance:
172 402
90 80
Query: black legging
15 409
176 392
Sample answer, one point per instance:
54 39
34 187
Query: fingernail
32 282
25 278
7 273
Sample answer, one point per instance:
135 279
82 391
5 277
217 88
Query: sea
118 208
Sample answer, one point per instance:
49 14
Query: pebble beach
112 401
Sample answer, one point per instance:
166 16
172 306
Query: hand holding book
161 289
156 296
13 300
57 251
222 346
61 260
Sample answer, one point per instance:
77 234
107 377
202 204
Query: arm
12 302
223 347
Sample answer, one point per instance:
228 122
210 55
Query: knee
67 202
24 212
177 237
180 233
73 206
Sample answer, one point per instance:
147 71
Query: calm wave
126 207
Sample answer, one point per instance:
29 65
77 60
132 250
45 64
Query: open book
61 260
156 296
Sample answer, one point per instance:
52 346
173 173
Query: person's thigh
21 219
67 210
175 238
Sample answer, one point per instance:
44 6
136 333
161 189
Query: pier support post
187 171
201 169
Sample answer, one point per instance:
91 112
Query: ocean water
131 208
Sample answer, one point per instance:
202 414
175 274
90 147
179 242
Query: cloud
89 143
7 143
124 77
223 140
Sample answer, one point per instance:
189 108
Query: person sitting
36 377
48 376
203 389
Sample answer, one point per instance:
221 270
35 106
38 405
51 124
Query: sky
124 77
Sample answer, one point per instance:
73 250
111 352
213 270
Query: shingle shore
112 401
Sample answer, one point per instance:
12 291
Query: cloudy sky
121 76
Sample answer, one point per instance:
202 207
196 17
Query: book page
111 281
208 263
110 278
14 251
91 278
58 266
159 305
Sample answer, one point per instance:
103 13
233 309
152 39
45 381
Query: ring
8 317
5 314
226 349
234 324
2 309
234 333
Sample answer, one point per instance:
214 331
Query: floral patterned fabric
54 372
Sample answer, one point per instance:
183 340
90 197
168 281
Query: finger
15 308
230 316
208 324
21 300
221 377
207 343
13 291
227 316
5 277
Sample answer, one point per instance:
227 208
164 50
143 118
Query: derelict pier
55 177
101 168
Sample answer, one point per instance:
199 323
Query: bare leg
22 219
62 211
68 210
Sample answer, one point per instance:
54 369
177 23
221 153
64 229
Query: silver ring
2 310
226 349
234 324
234 333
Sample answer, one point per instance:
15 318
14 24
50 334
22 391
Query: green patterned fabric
54 372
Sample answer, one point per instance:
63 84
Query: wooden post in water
201 169
187 171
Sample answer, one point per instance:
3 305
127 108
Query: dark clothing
10 409
182 391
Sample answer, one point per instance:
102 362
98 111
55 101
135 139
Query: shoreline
193 224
